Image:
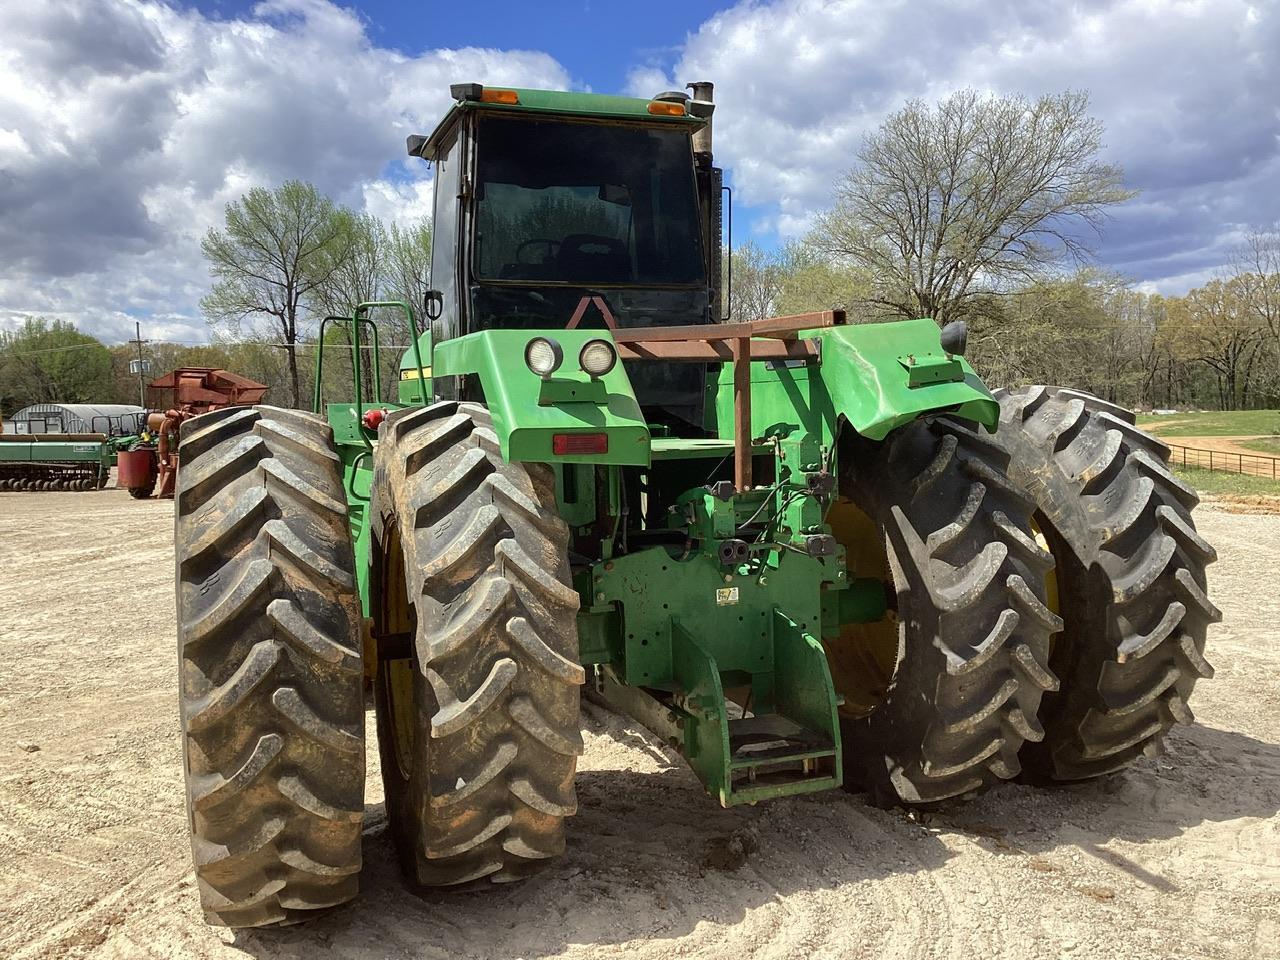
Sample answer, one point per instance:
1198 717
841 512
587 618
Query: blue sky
599 42
126 126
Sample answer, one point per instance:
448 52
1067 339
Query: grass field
1221 482
1267 445
1213 423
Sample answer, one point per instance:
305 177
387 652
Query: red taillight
563 444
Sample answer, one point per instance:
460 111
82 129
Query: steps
772 756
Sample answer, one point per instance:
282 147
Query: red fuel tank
136 469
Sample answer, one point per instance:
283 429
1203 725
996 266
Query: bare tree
1257 267
276 248
1213 326
757 282
408 266
949 203
358 277
384 263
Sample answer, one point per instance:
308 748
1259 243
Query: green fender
877 376
529 411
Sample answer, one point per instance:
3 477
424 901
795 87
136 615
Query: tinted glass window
562 202
444 236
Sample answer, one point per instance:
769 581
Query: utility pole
137 338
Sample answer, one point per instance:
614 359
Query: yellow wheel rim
863 657
1051 597
398 676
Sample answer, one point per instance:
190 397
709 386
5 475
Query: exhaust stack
702 106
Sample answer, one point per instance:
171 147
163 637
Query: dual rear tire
270 668
1130 577
1050 606
477 711
962 655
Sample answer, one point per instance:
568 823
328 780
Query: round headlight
597 357
543 356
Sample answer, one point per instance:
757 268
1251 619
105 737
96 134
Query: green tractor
804 554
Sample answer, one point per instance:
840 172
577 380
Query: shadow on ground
644 853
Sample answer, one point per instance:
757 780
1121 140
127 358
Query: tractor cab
555 210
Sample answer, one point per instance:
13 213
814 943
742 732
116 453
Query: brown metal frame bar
729 342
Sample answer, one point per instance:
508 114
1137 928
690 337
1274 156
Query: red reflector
567 443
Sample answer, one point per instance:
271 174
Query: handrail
353 324
413 330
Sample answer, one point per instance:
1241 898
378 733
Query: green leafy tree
50 361
276 249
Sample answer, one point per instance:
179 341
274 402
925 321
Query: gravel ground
1178 857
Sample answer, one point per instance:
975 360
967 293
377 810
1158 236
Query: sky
126 126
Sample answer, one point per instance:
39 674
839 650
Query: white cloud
127 126
1187 91
402 203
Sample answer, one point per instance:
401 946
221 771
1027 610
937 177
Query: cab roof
596 106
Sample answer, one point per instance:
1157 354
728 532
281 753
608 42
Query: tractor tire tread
1131 573
270 668
496 676
964 697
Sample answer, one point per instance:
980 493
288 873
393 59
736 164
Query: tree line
1215 347
282 260
977 208
986 209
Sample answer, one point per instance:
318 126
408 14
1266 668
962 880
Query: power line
32 353
300 345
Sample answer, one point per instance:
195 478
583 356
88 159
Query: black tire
270 666
142 493
973 628
1130 574
479 734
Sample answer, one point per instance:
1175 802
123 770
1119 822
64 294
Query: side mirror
955 337
433 304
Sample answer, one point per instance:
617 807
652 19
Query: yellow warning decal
413 374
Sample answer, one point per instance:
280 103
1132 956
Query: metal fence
1253 465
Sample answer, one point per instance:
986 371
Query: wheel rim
1051 595
863 657
397 676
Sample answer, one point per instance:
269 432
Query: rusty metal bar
742 413
701 333
790 325
713 332
725 342
714 352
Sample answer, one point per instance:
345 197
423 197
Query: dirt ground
1179 857
1232 445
